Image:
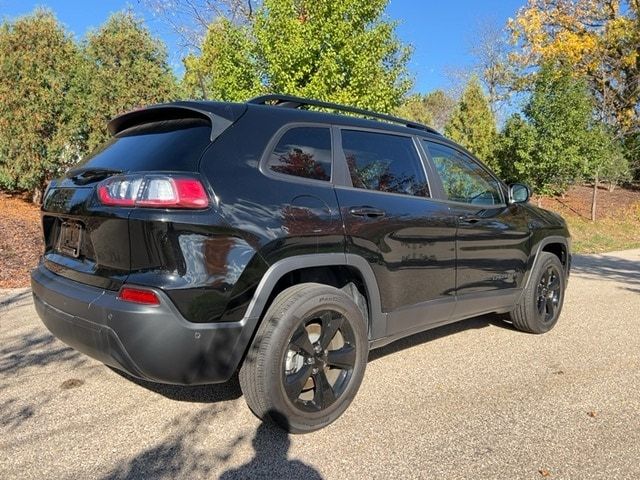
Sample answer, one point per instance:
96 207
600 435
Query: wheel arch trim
377 319
538 250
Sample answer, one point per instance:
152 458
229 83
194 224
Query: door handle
468 219
368 212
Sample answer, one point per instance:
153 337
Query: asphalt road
472 400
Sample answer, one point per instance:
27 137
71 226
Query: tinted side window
303 152
387 163
462 178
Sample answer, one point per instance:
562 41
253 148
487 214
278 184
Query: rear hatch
87 240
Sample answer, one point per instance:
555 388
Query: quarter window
303 152
463 179
387 163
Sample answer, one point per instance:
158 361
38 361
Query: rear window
163 145
303 152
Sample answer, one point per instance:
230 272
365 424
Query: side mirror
519 193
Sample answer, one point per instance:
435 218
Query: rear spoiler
219 115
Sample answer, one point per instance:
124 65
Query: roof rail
288 101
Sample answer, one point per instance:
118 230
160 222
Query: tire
541 302
326 368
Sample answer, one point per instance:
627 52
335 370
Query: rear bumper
150 342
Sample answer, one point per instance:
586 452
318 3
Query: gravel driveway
471 400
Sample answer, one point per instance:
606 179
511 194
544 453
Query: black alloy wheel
308 358
540 303
319 361
549 292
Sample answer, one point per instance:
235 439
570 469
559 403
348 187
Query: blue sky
441 32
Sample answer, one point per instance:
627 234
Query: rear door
390 220
492 238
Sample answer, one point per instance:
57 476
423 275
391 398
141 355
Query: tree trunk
202 87
37 196
612 186
594 198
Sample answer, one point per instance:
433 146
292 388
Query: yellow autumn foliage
597 39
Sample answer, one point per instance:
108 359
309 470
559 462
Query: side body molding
377 321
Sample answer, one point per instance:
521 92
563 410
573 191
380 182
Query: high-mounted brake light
153 191
138 295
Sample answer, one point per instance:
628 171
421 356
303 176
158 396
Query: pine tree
473 125
38 60
126 68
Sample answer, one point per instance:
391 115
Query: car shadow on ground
608 267
213 393
183 455
497 320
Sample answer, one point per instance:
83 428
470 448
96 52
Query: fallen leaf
544 472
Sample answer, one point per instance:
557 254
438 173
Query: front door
492 239
391 220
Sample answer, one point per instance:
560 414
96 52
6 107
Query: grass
606 235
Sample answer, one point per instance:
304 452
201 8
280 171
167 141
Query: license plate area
70 239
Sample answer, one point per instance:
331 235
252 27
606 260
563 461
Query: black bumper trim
150 342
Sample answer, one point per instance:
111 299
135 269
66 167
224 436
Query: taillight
153 191
138 295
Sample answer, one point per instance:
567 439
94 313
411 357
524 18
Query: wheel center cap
320 360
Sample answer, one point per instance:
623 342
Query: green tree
38 59
441 106
473 124
561 112
126 67
433 109
558 142
341 51
515 150
605 161
227 68
414 108
632 154
597 39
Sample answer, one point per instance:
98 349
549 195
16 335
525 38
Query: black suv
285 242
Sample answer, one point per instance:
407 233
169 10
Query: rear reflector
153 191
138 295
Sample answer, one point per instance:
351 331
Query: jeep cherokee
284 241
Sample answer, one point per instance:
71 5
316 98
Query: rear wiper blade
85 175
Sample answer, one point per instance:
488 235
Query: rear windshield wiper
82 176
